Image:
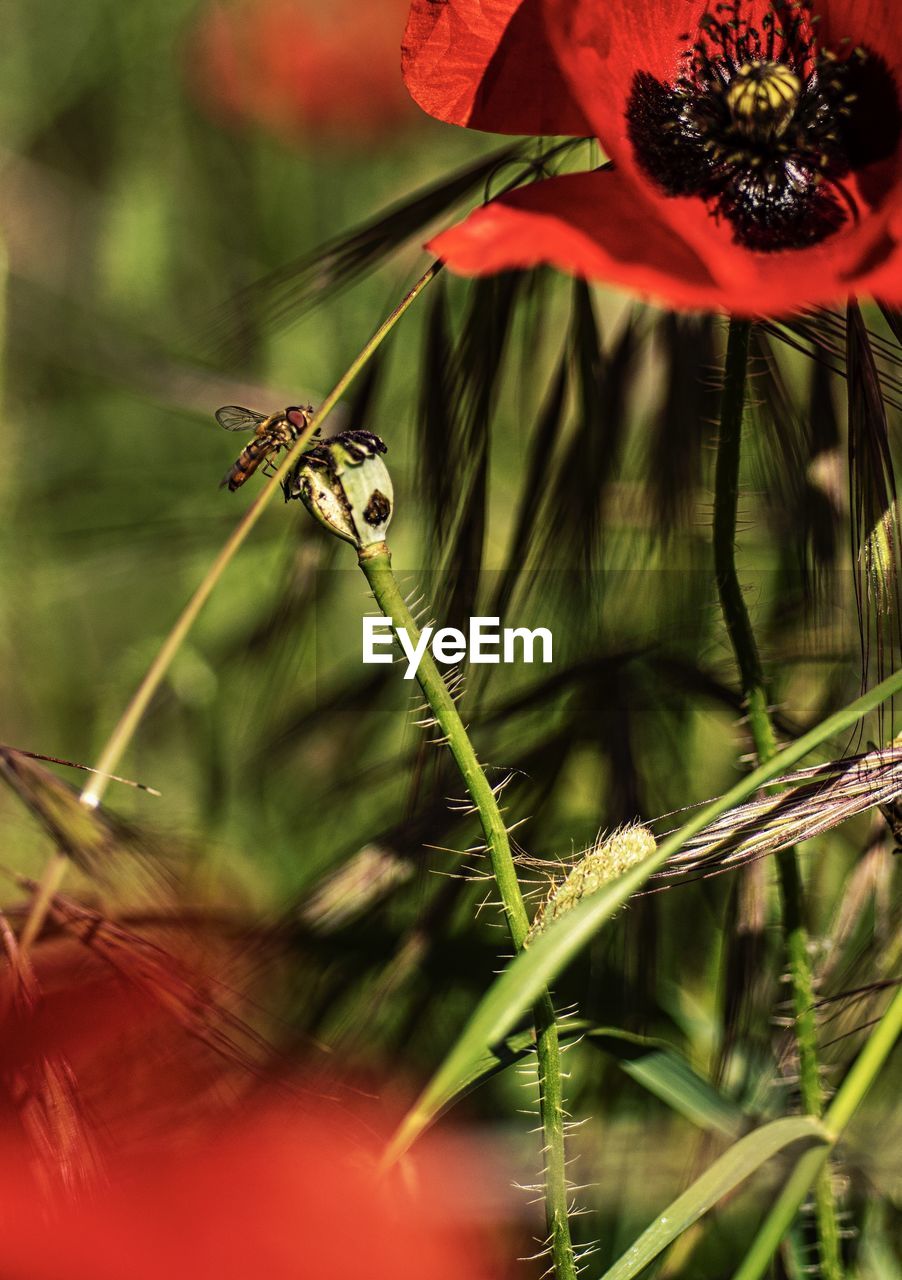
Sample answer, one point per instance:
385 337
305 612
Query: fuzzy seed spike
606 861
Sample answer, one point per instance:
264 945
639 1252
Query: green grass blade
652 1063
521 983
665 1073
724 1175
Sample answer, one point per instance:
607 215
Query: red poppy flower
282 1193
301 70
125 1152
755 144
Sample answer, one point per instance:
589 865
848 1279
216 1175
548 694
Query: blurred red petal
487 64
152 1158
603 227
292 68
281 1193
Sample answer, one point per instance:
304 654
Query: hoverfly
278 431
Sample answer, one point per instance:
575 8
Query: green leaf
663 1071
529 974
516 990
652 1063
724 1175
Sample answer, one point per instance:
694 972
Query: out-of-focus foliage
550 448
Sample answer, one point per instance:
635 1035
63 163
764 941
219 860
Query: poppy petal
600 48
878 273
588 224
281 66
873 24
601 226
487 64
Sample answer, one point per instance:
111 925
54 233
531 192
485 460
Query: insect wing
234 417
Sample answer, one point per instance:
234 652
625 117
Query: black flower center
764 126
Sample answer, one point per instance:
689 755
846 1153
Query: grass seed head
608 860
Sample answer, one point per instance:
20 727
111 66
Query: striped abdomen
249 459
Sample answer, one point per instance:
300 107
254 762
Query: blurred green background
160 159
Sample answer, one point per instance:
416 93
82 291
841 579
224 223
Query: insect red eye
297 417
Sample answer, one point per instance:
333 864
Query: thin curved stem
131 717
812 1165
376 564
754 688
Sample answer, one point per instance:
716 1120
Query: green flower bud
344 483
607 861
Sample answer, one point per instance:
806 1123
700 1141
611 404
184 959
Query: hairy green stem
131 717
376 564
812 1165
754 688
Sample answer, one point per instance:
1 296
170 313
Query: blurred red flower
755 144
127 1148
303 70
281 1193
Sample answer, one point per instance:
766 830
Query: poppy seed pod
345 485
